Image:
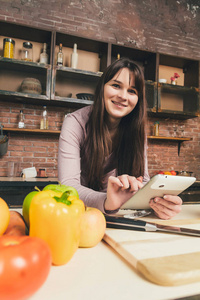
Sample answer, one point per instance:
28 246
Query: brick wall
31 149
167 26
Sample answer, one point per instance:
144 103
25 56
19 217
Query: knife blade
128 224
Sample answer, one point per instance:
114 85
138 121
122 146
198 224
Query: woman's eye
115 85
131 91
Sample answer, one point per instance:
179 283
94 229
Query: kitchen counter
100 273
14 189
20 180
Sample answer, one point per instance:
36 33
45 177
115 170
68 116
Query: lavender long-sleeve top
72 170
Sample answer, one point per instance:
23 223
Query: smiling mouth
119 104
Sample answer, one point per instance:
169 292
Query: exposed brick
170 27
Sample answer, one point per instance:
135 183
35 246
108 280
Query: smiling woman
120 96
102 148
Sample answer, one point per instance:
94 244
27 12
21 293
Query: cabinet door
13 71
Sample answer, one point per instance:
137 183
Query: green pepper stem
63 198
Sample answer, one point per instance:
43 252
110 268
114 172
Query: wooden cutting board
162 258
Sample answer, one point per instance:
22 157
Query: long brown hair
129 153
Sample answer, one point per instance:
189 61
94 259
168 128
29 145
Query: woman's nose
123 94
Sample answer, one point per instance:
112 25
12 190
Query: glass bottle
60 56
27 51
44 124
44 56
21 120
156 128
74 58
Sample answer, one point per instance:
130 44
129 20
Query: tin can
8 48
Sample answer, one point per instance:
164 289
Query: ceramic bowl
31 86
85 96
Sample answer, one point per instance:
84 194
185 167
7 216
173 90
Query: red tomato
173 172
24 266
160 172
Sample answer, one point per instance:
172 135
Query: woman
102 148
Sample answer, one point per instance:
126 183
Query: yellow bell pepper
55 217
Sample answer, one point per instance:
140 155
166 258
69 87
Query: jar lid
27 45
9 40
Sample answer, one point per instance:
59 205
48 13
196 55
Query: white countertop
32 179
100 273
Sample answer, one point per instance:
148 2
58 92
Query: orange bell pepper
55 217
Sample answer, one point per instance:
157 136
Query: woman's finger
163 204
164 209
173 199
130 182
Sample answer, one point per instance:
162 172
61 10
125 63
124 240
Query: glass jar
27 51
8 48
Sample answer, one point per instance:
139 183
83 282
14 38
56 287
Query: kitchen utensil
85 96
184 173
162 260
130 224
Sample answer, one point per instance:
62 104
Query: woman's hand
166 207
120 189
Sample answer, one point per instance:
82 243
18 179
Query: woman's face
120 95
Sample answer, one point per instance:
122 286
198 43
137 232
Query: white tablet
159 185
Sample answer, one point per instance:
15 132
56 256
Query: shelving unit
61 84
64 83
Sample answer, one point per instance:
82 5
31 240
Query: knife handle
124 223
125 227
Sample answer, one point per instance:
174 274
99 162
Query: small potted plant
174 78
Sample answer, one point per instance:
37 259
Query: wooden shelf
152 137
57 132
40 131
170 138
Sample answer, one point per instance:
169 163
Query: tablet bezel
159 185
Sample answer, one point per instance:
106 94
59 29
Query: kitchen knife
128 224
